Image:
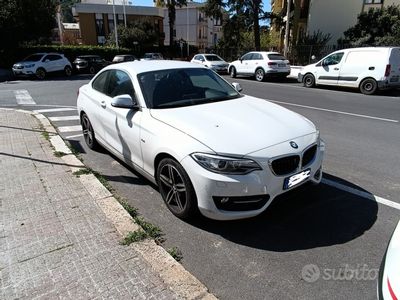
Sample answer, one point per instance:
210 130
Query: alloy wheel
88 132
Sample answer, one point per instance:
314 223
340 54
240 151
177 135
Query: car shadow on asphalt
305 218
50 78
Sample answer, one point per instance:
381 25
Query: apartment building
333 17
96 18
192 25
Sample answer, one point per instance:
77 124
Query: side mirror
47 60
237 86
124 101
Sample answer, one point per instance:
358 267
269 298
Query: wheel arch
159 157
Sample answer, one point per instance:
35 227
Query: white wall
333 17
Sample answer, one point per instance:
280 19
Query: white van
368 69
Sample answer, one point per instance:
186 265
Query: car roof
137 67
88 56
123 55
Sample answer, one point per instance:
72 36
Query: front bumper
256 187
23 72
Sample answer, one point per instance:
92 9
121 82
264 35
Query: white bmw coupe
208 147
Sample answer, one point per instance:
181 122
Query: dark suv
89 64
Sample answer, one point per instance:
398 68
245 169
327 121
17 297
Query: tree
376 27
66 10
171 6
140 32
24 21
309 45
247 11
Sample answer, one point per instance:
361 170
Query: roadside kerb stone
172 273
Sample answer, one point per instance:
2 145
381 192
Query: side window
201 57
247 56
333 59
47 57
119 84
256 56
100 83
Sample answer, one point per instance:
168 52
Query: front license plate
296 179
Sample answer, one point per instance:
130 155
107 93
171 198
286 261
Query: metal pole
286 46
123 5
187 29
115 25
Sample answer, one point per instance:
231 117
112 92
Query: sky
266 3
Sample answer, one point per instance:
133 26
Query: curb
179 280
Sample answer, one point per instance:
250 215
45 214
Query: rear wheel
68 71
309 81
88 132
260 74
368 86
176 189
40 73
232 72
92 70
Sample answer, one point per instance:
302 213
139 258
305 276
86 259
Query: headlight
225 165
29 66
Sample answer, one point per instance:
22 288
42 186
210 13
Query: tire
92 70
68 71
40 73
260 74
88 132
309 81
176 189
232 72
368 86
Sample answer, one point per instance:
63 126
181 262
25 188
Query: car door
256 61
97 99
48 63
122 125
327 70
244 64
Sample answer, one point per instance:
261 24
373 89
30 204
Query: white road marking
23 97
64 118
54 110
73 136
334 111
361 193
70 128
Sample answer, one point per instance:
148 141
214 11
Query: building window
110 23
99 25
373 1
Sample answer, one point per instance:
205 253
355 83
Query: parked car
89 64
124 58
152 56
388 281
205 145
260 65
367 69
212 61
40 64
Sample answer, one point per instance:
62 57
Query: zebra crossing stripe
23 97
64 118
54 110
70 128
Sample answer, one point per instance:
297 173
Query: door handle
103 104
336 69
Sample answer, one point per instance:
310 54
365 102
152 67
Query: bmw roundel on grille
294 145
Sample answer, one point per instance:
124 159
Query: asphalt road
343 235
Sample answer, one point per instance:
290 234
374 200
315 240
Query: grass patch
103 181
46 135
59 154
83 171
176 253
130 209
152 230
135 236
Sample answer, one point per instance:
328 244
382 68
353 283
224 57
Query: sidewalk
60 234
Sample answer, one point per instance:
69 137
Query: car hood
239 126
217 63
25 62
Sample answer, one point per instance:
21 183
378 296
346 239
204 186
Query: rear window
276 57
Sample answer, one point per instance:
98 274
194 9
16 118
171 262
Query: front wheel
176 189
368 86
309 81
260 74
40 73
88 133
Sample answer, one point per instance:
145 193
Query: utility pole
286 46
123 5
115 25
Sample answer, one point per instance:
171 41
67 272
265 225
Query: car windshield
149 55
184 87
34 57
213 58
276 57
